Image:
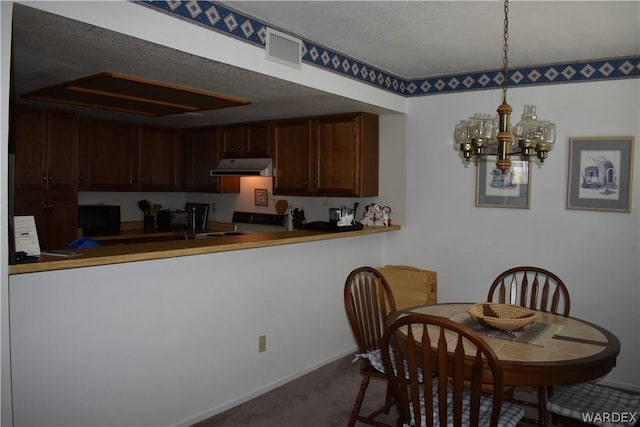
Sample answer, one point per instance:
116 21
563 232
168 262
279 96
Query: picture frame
600 173
260 197
497 190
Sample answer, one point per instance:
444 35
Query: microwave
99 220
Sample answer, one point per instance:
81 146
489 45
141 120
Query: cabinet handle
81 178
50 179
44 178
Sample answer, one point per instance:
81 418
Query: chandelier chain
505 50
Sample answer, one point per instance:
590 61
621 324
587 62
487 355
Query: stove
251 223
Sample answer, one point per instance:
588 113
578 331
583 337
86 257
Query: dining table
554 350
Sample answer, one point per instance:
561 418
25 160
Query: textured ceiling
408 39
429 38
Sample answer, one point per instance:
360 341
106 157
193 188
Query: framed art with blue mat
600 173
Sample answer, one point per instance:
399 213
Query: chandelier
484 135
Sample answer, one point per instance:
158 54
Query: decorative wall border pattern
224 20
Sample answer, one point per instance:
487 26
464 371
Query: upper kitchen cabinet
117 156
46 145
201 153
159 160
246 140
347 155
292 171
108 156
327 156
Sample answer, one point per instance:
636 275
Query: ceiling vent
283 48
117 92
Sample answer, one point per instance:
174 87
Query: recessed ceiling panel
110 91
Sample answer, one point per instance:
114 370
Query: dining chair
537 289
531 287
460 361
368 302
595 402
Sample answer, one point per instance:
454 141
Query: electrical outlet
262 343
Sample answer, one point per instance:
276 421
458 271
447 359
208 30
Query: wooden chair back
368 302
531 287
461 361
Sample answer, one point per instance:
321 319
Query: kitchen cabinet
108 156
55 213
159 160
292 173
347 155
327 156
201 153
246 140
118 156
46 145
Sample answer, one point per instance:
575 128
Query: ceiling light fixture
484 135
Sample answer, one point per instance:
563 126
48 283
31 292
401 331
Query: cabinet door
347 155
62 225
292 159
159 159
249 140
34 202
338 148
62 151
201 154
108 156
231 141
30 141
257 142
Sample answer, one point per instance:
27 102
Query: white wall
595 253
170 342
5 46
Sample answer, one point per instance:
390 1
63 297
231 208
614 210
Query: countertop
105 255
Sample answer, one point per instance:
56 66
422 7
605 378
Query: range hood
243 167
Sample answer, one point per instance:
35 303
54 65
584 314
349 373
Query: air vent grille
283 48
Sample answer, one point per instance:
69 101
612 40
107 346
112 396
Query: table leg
542 407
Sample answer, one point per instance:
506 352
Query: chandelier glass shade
486 135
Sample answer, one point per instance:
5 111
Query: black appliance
99 220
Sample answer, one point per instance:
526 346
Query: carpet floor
322 398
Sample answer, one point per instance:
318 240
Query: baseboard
262 390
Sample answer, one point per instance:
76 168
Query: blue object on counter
83 242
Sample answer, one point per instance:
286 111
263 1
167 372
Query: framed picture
260 197
503 190
600 173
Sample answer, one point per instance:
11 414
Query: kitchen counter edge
117 254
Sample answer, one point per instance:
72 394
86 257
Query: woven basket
507 317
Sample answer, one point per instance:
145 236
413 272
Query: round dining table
575 351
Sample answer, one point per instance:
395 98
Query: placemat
536 333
